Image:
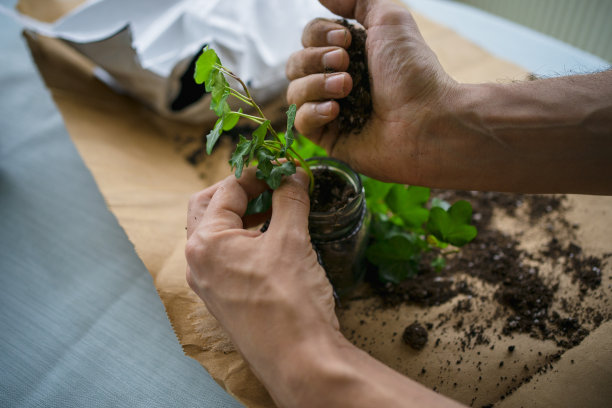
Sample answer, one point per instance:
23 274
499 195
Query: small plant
275 155
403 228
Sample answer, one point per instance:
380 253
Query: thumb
291 204
356 9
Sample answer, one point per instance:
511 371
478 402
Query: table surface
81 322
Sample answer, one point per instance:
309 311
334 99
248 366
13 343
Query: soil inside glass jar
331 192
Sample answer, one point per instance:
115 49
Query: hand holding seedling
546 136
272 297
266 289
275 156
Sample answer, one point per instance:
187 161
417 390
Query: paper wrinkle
139 46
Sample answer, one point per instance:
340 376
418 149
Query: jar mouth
346 173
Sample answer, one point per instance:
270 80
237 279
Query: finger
321 32
313 116
229 201
319 87
359 10
291 206
315 60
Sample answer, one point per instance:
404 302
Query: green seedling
272 150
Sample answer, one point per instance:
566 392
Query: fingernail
333 59
334 84
337 37
324 108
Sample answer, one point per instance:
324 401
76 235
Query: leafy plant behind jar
406 223
273 151
403 228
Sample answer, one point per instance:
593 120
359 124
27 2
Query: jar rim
347 173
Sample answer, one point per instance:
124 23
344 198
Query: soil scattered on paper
415 336
527 295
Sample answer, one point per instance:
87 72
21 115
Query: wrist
304 370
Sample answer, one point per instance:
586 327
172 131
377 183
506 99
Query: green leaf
275 178
259 135
397 258
409 204
237 160
219 104
438 264
289 133
435 242
264 165
452 226
204 65
213 136
219 89
231 120
375 193
260 204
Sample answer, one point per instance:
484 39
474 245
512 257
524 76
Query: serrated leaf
213 136
204 65
289 133
277 173
409 204
237 160
260 204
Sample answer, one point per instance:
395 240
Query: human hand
266 289
407 84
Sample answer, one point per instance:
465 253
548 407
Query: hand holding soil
403 89
546 136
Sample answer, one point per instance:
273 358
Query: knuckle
293 94
199 199
292 69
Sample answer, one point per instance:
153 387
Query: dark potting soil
525 299
356 108
415 336
331 192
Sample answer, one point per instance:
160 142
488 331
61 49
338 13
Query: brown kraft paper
138 162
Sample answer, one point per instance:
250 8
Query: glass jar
340 236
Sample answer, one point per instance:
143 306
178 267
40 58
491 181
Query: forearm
329 371
548 136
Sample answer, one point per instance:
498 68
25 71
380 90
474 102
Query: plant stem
255 119
252 102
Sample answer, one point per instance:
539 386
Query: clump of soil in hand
356 108
415 336
331 192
